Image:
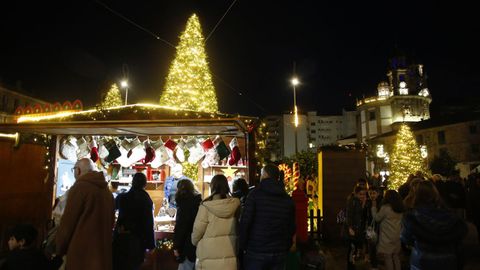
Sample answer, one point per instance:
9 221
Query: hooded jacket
435 235
136 208
268 220
187 208
85 230
390 228
215 234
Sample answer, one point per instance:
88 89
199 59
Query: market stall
165 143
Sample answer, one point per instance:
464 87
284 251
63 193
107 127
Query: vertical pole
295 111
312 232
319 219
126 74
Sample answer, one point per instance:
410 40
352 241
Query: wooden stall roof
137 119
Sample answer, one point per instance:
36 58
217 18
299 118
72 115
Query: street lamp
124 84
295 82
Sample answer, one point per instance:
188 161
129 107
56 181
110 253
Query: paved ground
335 254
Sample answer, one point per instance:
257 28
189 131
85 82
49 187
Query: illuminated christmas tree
113 97
189 82
406 158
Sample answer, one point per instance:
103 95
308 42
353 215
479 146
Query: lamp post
295 82
124 84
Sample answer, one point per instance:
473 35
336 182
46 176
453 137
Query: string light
164 243
287 177
113 97
190 170
11 136
15 137
189 82
406 158
93 114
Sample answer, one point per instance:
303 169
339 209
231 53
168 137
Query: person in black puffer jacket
188 201
355 224
267 225
135 208
434 233
240 190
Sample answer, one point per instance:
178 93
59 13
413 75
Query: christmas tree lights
113 97
189 82
406 158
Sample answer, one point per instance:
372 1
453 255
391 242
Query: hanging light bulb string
220 21
134 24
228 86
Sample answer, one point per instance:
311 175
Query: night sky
65 51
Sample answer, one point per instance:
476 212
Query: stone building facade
459 136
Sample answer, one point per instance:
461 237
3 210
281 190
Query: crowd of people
424 222
231 230
248 228
226 230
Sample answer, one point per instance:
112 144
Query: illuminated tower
404 98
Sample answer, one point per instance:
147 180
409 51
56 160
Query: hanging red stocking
171 145
149 152
93 150
235 154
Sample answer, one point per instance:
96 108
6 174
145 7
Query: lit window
403 90
424 92
423 151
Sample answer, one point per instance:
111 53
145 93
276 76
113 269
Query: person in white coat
215 228
390 219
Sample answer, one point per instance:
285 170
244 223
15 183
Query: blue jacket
268 221
435 235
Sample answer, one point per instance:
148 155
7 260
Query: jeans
264 261
186 265
354 247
